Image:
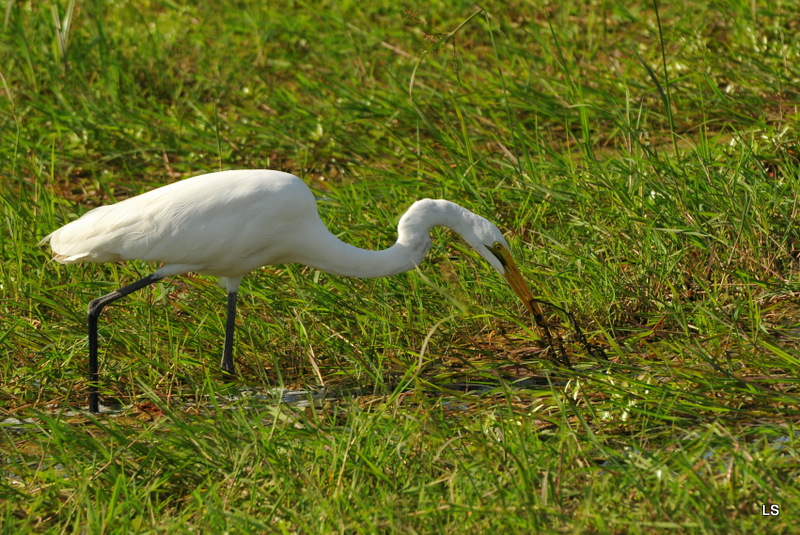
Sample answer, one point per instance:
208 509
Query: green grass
643 164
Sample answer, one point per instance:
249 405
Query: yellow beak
517 283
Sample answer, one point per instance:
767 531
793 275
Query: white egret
230 223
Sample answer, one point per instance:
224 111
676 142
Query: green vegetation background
643 160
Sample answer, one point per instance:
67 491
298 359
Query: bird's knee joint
95 307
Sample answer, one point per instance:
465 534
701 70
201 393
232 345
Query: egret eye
497 249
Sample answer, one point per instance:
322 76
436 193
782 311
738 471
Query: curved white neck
326 252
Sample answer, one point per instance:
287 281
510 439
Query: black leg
227 350
95 307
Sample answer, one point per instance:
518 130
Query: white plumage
229 223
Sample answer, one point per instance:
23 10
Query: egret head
480 233
489 242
